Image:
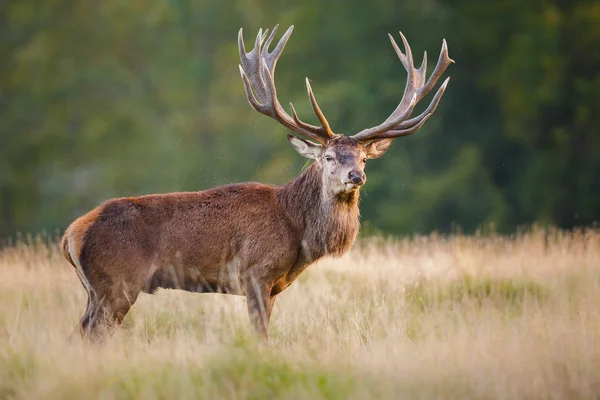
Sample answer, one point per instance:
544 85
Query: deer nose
357 177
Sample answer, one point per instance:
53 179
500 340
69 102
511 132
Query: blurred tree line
117 98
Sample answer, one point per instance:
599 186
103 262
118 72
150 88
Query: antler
397 125
258 69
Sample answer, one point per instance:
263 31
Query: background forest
117 98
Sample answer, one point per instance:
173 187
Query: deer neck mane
326 223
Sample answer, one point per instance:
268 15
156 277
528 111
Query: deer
248 239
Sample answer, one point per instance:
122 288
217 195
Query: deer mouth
351 186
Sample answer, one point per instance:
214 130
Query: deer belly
225 279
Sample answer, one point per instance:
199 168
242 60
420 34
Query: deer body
247 239
222 240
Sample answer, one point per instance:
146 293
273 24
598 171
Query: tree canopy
114 98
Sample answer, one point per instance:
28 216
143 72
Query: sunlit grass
428 317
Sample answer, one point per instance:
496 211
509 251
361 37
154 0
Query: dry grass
430 317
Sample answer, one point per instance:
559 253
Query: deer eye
364 160
328 158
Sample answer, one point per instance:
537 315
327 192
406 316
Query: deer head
342 158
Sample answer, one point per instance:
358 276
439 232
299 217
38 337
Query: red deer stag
247 239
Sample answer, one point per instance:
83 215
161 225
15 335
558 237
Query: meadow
483 316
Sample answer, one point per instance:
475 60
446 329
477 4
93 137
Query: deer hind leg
91 300
107 306
260 305
89 313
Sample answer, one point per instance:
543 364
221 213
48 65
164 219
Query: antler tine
416 88
443 62
257 70
259 39
429 110
249 94
273 56
416 77
249 68
396 133
302 123
317 110
267 44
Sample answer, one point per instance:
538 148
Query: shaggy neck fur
327 224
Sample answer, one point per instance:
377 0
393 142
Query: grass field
428 317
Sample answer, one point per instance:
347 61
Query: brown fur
75 233
247 239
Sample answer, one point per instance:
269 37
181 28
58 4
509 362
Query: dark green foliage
112 98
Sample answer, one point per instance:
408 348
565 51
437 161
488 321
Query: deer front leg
260 304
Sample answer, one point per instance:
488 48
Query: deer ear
377 148
306 148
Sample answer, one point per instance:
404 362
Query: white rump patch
79 270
